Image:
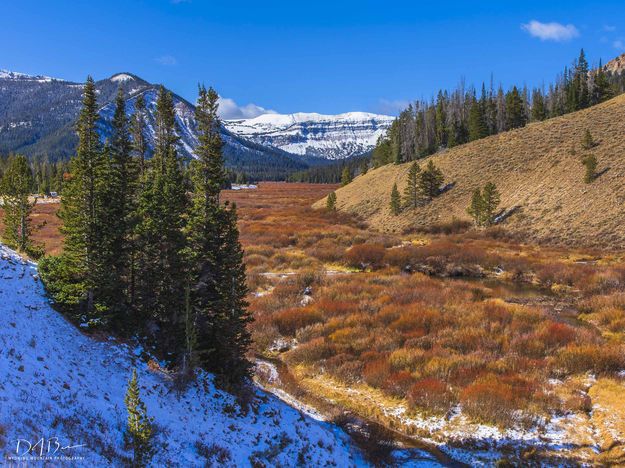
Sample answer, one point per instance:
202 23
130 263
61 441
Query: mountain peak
122 77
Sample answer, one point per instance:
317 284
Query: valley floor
461 348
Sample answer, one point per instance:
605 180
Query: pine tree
539 112
490 202
233 337
139 142
346 176
161 266
395 201
590 163
515 110
140 430
331 202
217 273
476 208
587 141
15 188
602 90
477 124
430 180
120 187
411 192
581 81
79 273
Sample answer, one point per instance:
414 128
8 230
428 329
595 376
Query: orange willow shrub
311 353
490 399
365 255
290 320
596 358
377 372
431 394
398 383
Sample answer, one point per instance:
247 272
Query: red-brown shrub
290 320
596 358
489 399
311 352
398 384
365 255
376 372
431 394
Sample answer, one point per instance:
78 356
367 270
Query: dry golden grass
534 168
45 227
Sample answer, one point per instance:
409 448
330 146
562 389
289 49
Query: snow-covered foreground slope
67 388
325 136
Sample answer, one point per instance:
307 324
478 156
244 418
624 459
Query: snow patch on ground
58 382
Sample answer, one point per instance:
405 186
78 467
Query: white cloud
619 44
229 109
391 107
167 60
551 31
609 28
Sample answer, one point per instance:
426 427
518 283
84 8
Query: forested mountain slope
537 170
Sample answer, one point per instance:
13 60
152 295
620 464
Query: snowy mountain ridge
11 75
67 389
323 136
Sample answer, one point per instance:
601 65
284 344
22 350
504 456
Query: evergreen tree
515 110
217 274
484 203
476 208
490 202
346 176
120 187
539 112
430 180
331 202
603 89
15 188
79 273
477 124
140 430
411 192
161 267
587 141
233 337
395 201
590 164
139 142
581 81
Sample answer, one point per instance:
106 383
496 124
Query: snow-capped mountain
38 113
317 135
67 389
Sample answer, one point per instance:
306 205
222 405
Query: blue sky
324 56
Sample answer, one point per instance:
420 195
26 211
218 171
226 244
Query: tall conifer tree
81 211
218 274
15 188
161 267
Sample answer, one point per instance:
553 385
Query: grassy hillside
534 168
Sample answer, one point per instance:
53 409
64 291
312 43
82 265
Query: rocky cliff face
316 135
